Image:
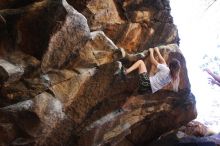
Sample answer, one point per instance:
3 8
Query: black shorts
144 83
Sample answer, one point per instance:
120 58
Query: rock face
57 63
134 25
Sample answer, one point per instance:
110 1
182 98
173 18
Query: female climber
164 75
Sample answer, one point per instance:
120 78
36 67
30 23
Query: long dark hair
175 66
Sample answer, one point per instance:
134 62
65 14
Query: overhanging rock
67 93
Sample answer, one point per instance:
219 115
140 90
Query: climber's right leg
137 65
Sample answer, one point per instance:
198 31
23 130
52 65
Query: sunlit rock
9 72
68 94
103 11
100 50
133 25
65 43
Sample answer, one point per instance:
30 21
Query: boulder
67 93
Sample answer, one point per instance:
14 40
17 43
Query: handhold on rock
9 72
120 71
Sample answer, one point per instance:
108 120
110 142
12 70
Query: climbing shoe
120 71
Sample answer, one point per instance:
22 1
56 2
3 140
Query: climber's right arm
152 59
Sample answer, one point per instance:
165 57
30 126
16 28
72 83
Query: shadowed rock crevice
13 4
57 73
31 26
